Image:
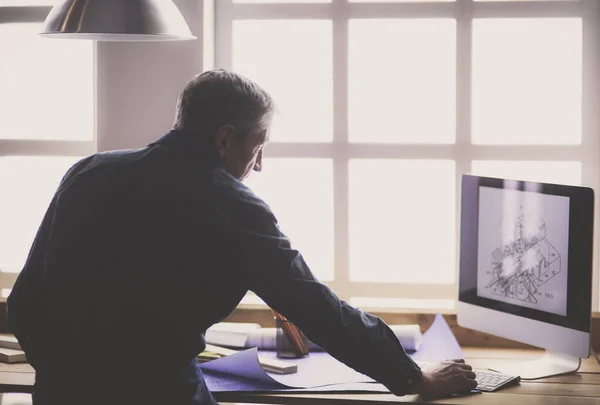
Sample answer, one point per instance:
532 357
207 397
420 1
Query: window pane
292 60
251 299
22 3
402 80
366 303
47 85
282 1
400 1
520 0
304 208
27 184
399 231
527 81
543 172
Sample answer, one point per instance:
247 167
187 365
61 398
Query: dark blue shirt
139 253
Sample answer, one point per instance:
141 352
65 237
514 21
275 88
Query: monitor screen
526 249
523 248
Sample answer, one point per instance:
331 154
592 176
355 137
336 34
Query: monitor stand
550 364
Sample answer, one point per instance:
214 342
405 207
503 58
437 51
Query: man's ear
223 138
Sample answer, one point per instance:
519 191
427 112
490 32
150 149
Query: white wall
138 83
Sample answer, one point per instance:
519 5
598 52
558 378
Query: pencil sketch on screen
523 248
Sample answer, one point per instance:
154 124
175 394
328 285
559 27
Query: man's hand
447 378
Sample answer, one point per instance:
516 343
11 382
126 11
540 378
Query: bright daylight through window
384 104
45 125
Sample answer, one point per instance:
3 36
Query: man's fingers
466 367
470 374
458 360
472 384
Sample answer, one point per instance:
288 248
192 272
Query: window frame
463 152
32 147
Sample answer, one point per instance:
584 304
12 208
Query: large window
46 123
383 105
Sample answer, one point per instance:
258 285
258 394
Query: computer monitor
526 252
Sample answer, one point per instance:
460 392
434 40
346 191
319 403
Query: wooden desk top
582 388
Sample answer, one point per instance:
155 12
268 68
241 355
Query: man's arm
279 275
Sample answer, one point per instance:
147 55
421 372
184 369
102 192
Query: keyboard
487 380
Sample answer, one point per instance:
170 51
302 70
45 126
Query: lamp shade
117 20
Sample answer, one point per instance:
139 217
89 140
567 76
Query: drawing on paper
525 261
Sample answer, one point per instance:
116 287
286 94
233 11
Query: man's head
231 111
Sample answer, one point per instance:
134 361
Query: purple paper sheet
243 364
219 382
319 372
318 369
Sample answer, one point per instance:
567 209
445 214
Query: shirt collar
192 145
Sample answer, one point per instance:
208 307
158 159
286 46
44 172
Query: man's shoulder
241 202
237 190
100 168
106 159
116 158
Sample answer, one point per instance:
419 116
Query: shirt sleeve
279 275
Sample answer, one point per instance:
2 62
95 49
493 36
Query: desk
582 388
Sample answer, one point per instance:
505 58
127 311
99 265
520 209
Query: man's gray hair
219 97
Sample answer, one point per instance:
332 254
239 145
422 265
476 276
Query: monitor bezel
580 246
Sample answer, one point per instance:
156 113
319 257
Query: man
142 250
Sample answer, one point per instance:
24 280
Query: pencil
293 334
